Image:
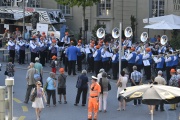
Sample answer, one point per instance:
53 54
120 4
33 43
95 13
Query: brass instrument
163 39
143 37
128 33
100 33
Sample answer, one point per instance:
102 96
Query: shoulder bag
46 85
33 95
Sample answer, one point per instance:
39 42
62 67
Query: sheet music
108 54
146 62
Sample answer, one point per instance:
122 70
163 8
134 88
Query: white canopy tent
173 19
163 26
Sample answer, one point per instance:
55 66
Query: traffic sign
29 9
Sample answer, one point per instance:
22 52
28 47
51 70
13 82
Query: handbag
5 73
33 95
45 86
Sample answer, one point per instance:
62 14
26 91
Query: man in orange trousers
93 105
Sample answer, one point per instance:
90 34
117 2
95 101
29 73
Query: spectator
136 79
123 81
82 89
38 103
53 64
39 67
100 74
30 81
51 89
173 82
104 92
62 85
10 69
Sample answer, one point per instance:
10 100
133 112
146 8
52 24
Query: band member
139 61
34 50
97 59
159 63
115 64
66 39
22 46
93 104
169 64
90 58
53 48
72 57
48 43
176 61
64 58
42 51
131 57
11 47
80 56
147 67
105 59
162 49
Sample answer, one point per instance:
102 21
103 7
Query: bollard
2 102
9 82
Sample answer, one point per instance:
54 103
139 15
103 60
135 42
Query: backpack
53 64
79 82
37 76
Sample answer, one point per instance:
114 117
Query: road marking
22 118
25 109
17 100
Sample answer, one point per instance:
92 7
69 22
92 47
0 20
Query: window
104 8
34 3
157 8
176 4
6 3
65 9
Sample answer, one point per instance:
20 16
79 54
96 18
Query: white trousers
103 100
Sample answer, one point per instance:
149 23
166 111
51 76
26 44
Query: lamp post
23 18
120 45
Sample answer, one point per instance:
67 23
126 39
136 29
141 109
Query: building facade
111 12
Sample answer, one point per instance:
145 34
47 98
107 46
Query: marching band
104 54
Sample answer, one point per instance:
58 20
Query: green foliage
78 3
175 41
133 26
94 30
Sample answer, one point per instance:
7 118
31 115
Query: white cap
159 72
101 70
36 58
95 78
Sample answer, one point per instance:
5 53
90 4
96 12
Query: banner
42 28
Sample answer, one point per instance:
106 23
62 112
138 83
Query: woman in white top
38 103
123 80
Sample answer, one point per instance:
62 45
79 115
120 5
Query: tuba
100 33
163 39
144 37
128 32
115 33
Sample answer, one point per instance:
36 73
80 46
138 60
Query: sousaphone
115 33
100 33
144 36
164 39
128 32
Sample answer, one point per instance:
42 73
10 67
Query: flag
62 31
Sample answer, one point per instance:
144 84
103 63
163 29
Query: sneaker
59 102
83 104
119 109
47 105
54 105
65 102
105 111
75 104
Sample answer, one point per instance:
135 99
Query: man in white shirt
11 48
160 80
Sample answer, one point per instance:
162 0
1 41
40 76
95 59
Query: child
53 64
62 85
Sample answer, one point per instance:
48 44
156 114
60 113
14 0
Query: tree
82 3
133 26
